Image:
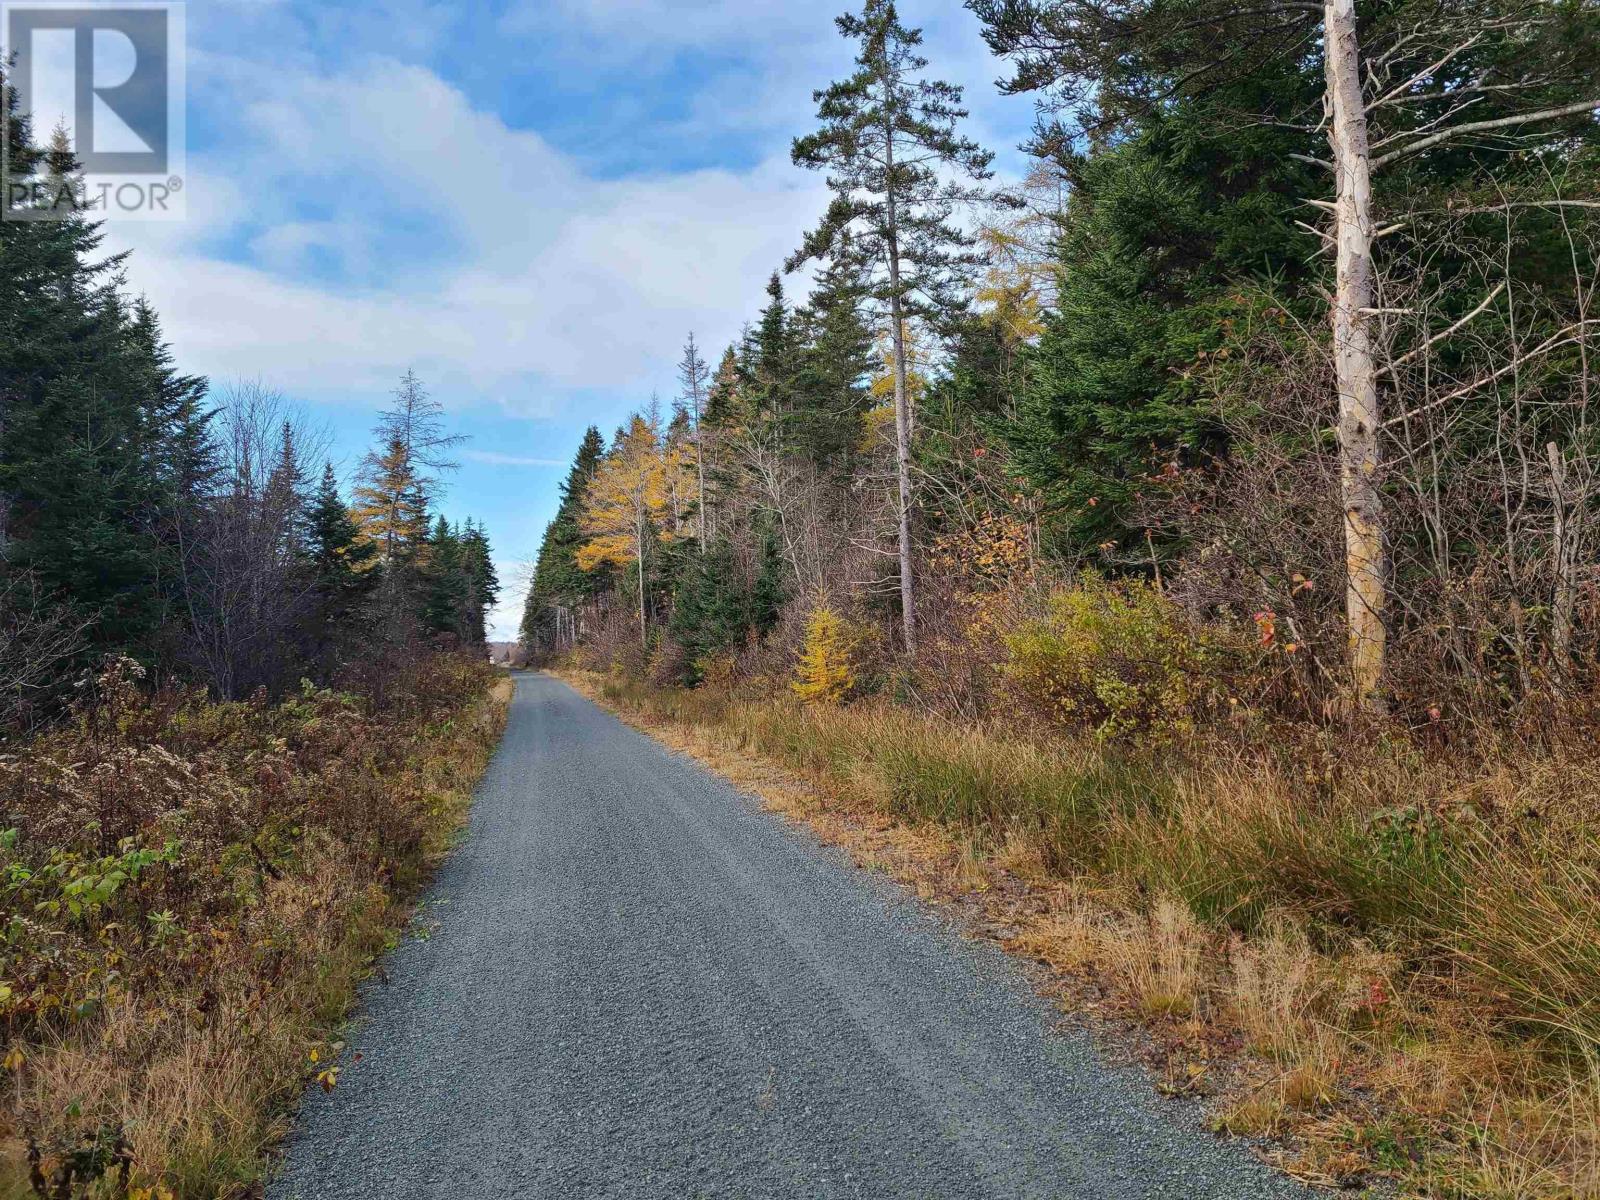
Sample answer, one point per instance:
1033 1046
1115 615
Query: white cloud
539 276
495 458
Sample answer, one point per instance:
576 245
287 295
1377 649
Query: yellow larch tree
824 674
627 505
391 504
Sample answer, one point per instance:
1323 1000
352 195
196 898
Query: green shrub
1113 658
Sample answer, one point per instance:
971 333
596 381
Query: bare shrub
195 888
38 640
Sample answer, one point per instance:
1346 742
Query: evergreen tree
483 582
770 360
1412 96
161 528
559 584
832 365
1154 244
100 436
286 501
340 562
724 403
447 592
767 594
710 609
888 141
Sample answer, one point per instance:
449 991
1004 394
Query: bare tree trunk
1564 558
644 631
1359 424
699 447
902 417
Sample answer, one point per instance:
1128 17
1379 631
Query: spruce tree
1154 245
831 397
724 405
1410 96
447 588
483 583
770 361
710 609
340 562
286 502
99 434
559 584
889 144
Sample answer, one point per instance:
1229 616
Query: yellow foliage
1017 285
1009 294
1115 658
825 674
994 554
628 496
877 427
916 358
678 480
390 506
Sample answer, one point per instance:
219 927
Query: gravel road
640 985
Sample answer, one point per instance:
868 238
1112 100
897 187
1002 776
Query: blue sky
529 202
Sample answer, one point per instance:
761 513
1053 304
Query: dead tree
1410 86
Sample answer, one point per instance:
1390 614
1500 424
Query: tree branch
1430 69
1444 333
1548 114
1554 342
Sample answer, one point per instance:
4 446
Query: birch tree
889 144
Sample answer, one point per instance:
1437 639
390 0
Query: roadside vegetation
192 891
242 707
1191 548
1383 957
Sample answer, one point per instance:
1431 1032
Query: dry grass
1388 963
158 1038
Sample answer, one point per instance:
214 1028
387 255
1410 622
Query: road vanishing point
638 984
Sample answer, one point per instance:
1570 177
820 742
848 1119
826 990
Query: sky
529 202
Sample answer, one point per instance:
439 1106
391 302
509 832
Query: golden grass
1394 973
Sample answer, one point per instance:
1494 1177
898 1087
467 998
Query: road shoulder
1182 1060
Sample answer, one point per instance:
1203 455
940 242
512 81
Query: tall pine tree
889 144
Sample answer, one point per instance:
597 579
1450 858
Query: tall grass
1393 911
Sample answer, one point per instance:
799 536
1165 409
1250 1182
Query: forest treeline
1315 363
1200 535
199 531
241 715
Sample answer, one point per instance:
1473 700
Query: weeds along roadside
192 892
1396 973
